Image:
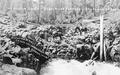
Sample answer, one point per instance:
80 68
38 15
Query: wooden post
94 8
105 52
101 38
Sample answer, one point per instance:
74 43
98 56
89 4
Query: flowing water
74 67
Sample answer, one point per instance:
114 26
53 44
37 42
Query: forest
34 32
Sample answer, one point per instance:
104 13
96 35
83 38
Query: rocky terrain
30 38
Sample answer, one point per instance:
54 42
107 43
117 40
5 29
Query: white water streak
73 67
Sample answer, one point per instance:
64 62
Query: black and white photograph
59 37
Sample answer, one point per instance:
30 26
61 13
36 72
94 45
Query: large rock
6 69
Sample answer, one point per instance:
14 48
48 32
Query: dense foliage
34 31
